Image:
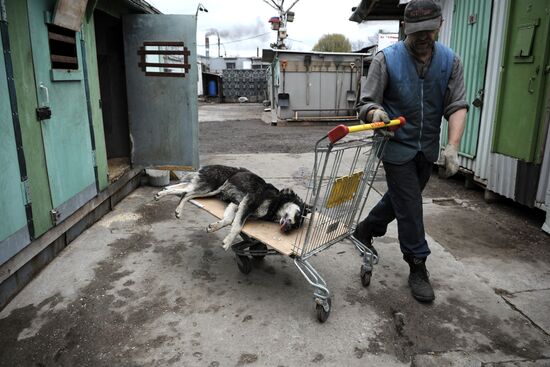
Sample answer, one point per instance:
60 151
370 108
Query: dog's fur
248 195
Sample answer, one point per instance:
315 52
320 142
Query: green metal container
520 118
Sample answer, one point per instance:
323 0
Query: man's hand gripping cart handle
340 131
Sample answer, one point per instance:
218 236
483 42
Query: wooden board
265 232
69 13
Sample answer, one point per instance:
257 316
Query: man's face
422 41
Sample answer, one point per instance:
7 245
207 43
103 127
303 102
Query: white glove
378 115
450 160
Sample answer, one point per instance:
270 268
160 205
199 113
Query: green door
60 89
525 67
470 40
14 233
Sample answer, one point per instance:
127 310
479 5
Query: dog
247 195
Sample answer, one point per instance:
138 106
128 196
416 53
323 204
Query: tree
333 43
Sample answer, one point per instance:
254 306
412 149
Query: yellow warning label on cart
344 189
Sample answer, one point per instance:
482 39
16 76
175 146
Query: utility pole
284 17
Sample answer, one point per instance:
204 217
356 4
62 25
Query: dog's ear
289 195
292 196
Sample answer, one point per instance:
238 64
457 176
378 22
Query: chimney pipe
218 45
207 46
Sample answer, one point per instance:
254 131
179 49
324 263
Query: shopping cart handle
340 131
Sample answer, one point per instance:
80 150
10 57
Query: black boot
367 241
419 280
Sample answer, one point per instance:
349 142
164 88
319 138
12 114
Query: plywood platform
265 232
269 233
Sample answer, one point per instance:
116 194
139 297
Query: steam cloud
241 31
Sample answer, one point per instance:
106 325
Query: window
62 47
230 65
164 58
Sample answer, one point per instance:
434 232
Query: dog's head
292 210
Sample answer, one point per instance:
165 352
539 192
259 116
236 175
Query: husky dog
248 195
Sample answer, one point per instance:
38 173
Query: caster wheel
260 250
323 315
365 276
244 264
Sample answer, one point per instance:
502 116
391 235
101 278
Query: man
423 81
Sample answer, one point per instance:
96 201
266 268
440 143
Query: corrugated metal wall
469 38
486 162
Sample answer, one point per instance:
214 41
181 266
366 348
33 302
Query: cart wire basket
343 173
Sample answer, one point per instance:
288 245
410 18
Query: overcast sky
236 21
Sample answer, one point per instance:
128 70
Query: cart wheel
323 315
243 263
365 276
259 247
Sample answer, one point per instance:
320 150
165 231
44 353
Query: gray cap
422 15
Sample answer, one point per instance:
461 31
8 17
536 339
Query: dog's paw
212 227
178 214
226 244
157 197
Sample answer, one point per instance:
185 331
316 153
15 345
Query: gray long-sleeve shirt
372 92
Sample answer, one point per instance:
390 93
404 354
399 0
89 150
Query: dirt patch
412 328
255 136
154 212
88 331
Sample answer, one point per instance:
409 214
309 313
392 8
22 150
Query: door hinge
26 192
94 158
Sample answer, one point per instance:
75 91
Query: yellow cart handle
340 131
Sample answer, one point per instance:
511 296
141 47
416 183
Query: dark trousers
402 201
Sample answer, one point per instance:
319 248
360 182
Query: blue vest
420 101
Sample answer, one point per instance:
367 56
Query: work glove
377 116
450 160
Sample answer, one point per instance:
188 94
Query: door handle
529 87
43 112
46 93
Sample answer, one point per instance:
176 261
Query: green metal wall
66 134
22 58
21 53
14 234
520 116
470 39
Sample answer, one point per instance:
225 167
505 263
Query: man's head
422 15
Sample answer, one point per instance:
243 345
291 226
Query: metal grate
164 58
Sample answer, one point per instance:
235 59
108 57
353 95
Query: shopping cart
342 177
